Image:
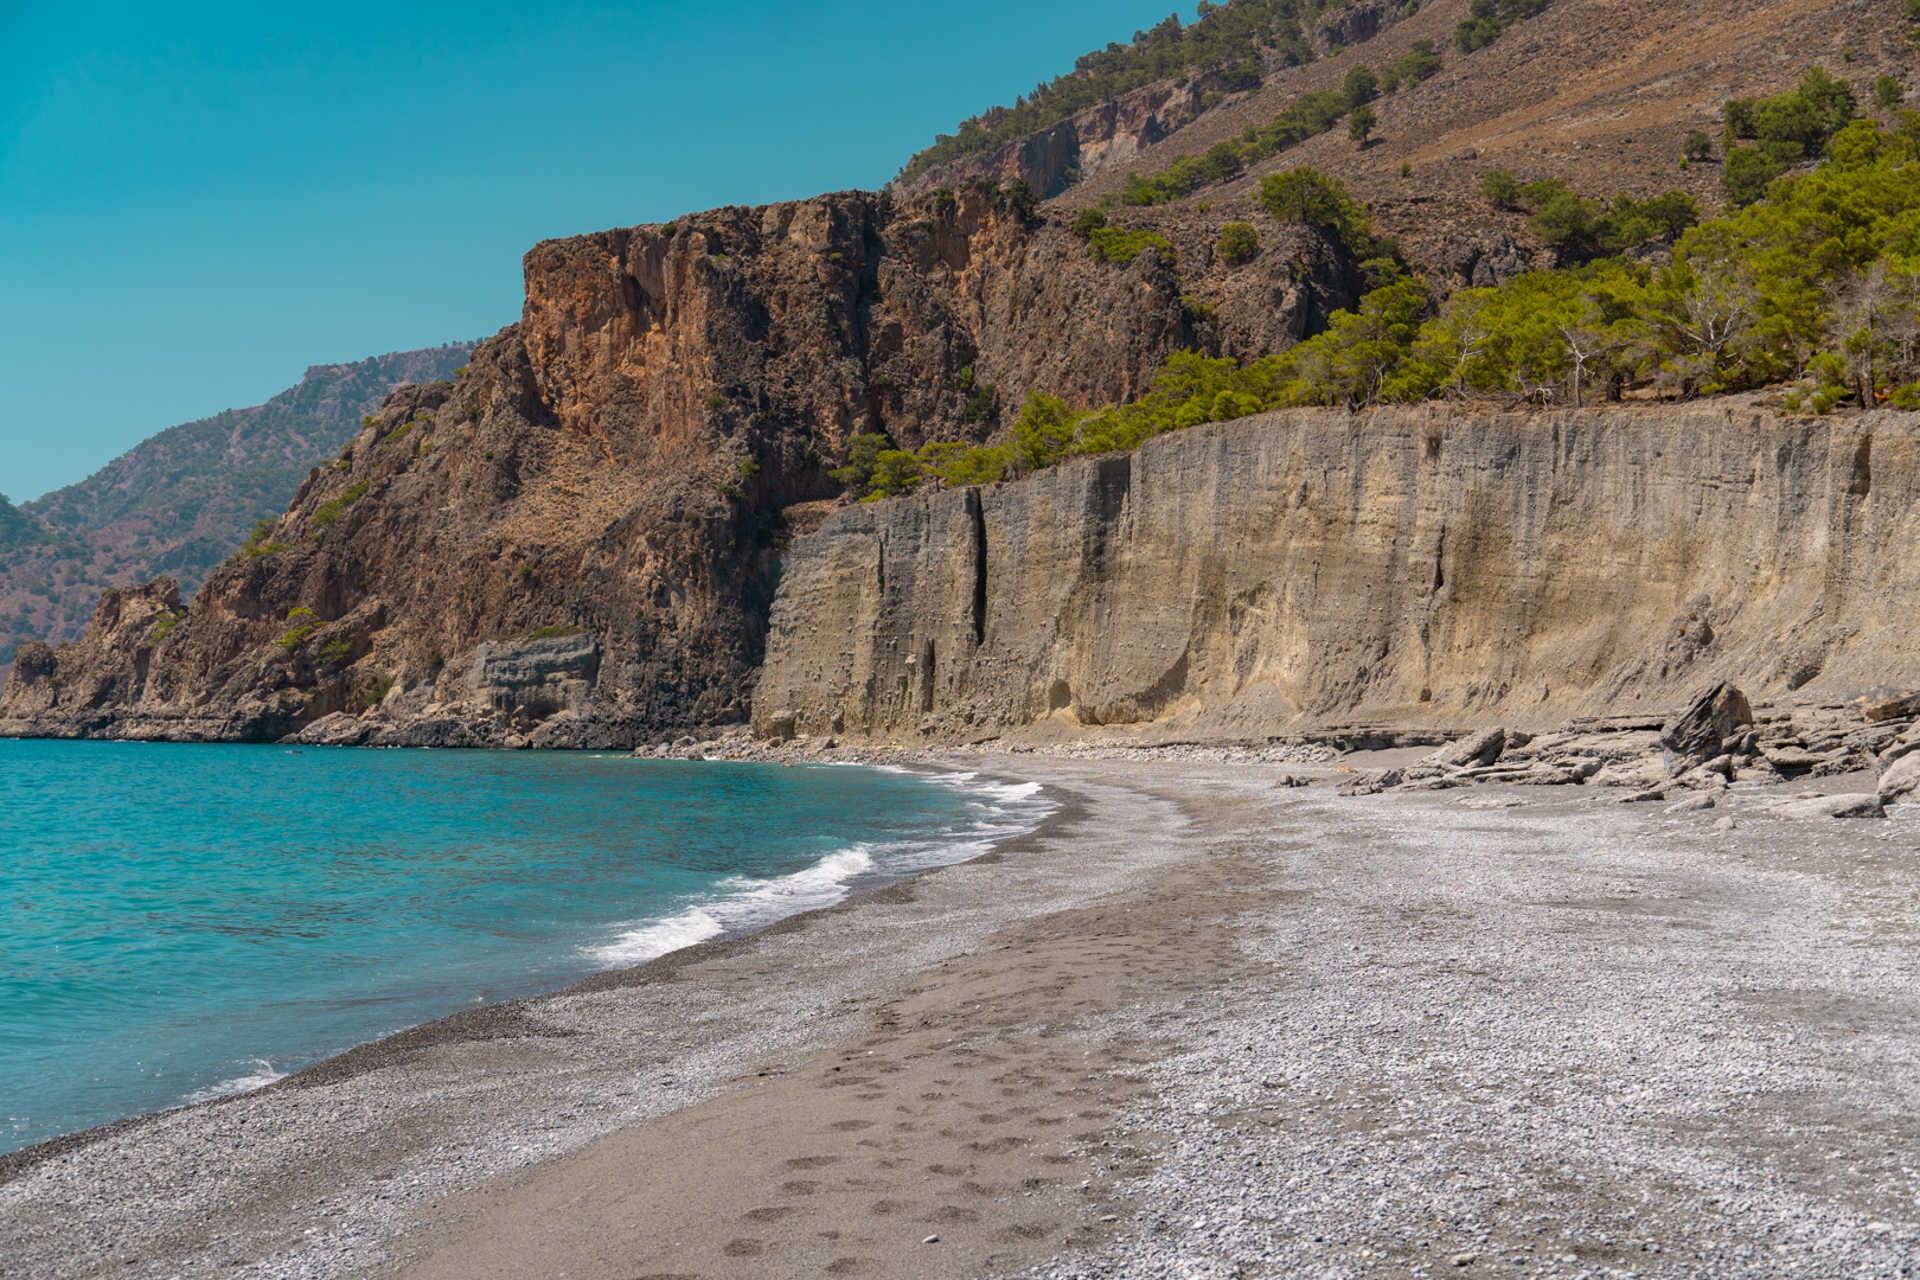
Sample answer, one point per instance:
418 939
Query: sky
197 201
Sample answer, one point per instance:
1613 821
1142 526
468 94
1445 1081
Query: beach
1199 1024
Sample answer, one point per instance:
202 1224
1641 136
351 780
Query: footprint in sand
998 1146
743 1248
1027 1231
887 1208
800 1187
952 1215
848 1266
812 1162
770 1213
849 1126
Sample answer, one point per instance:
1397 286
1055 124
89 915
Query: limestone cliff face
577 542
1306 568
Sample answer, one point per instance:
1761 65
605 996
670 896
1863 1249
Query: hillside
582 541
179 502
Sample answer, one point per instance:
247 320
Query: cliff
1311 568
577 543
181 500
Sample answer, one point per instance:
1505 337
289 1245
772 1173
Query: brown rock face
610 474
1310 568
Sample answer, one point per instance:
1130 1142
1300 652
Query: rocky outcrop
621 464
1432 565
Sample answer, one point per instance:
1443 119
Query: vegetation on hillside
1815 287
1786 129
1312 114
1230 38
17 529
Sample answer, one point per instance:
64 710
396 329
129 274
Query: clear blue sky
197 201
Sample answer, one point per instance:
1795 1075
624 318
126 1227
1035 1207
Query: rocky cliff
577 543
1311 568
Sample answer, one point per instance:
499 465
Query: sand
1197 1025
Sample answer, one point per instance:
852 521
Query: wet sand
1198 1025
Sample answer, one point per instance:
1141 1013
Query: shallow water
182 921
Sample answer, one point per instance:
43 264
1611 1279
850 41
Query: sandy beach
1197 1025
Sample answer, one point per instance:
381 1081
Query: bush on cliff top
1816 288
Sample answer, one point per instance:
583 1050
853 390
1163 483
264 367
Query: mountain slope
180 501
580 542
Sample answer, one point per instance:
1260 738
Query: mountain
582 541
180 501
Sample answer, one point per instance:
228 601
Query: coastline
497 1018
1246 1026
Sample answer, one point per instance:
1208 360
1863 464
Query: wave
740 903
262 1075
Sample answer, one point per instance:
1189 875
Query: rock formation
1430 565
626 463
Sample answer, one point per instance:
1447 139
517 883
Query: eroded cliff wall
576 542
1310 568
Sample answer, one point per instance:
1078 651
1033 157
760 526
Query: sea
179 922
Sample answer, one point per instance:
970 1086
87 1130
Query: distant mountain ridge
180 501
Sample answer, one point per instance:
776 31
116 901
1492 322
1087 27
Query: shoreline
1202 1022
69 1168
496 1017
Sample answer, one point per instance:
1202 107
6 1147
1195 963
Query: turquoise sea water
181 921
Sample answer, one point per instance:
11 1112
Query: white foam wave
695 924
262 1075
744 902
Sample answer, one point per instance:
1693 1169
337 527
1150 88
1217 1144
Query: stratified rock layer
1304 568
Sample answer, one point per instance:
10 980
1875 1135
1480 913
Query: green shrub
945 202
1239 243
305 623
1308 198
368 696
1697 146
1745 176
1310 115
1088 221
1888 92
1487 19
717 403
1360 124
1361 86
332 509
1501 189
1112 244
1418 63
335 653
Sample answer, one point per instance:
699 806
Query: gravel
1564 1039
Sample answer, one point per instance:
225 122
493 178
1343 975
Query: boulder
1891 709
1696 734
1858 805
1368 784
1481 748
1901 780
